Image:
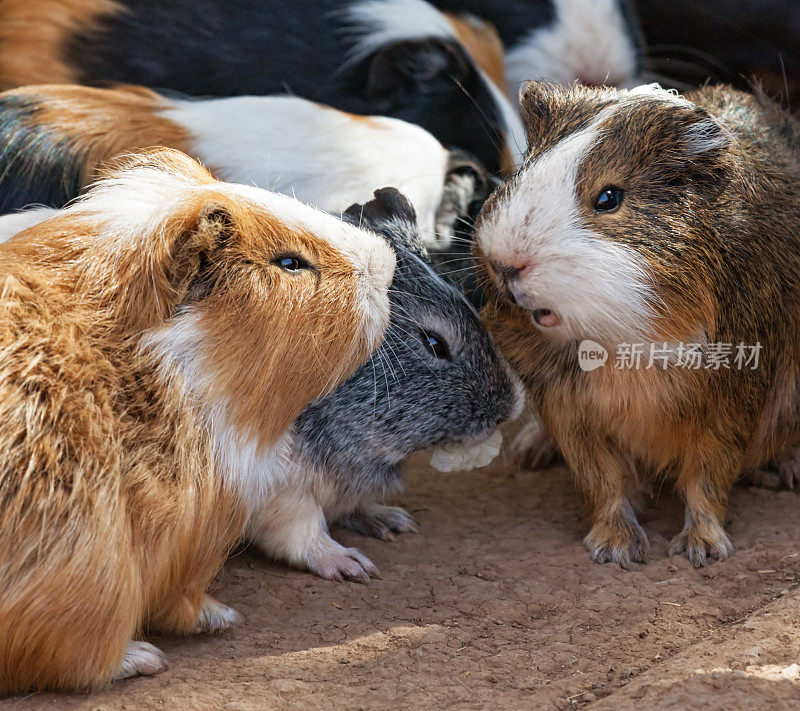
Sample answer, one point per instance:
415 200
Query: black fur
235 47
37 167
513 18
725 41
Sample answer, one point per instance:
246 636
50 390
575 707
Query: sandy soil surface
495 604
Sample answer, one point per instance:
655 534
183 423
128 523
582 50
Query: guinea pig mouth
546 318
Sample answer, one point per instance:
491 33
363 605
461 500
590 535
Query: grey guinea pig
437 380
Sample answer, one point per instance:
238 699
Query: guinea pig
54 140
436 381
399 58
158 337
646 222
594 42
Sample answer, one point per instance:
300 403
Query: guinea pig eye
609 199
291 263
435 345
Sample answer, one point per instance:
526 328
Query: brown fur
100 124
23 37
720 233
114 515
481 40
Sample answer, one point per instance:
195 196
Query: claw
701 542
618 538
339 563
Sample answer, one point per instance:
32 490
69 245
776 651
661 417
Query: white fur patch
16 222
253 472
323 157
656 91
600 289
588 41
377 23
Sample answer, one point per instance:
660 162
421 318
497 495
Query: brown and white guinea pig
399 58
158 338
55 139
593 42
647 220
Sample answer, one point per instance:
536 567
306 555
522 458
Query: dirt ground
495 604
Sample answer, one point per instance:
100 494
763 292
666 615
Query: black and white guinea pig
589 41
437 381
56 139
400 58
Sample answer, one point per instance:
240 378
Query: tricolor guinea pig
158 338
644 267
399 58
54 140
437 381
595 42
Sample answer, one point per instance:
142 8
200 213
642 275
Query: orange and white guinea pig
157 336
55 139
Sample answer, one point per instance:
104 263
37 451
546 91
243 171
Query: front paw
141 659
216 617
381 522
617 539
702 542
335 562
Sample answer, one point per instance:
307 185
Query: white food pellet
459 458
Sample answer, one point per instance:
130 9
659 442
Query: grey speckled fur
347 449
405 399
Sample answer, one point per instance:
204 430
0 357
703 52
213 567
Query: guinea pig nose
546 318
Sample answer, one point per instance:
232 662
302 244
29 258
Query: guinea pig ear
389 214
538 102
704 146
704 138
192 274
179 269
407 68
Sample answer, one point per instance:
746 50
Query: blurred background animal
55 140
399 58
733 41
593 42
